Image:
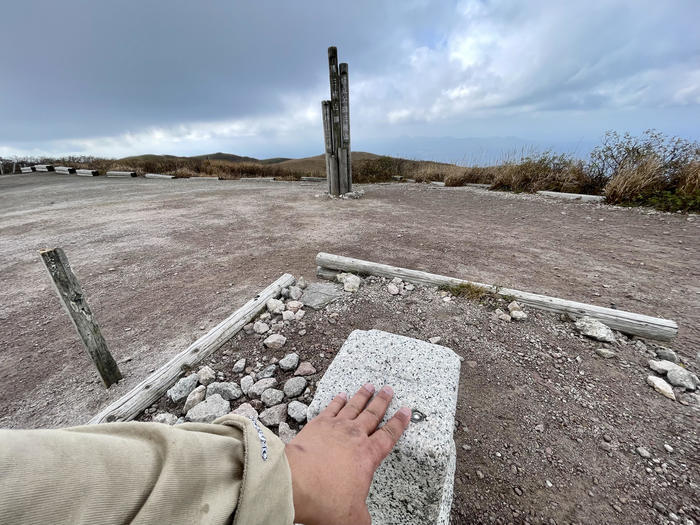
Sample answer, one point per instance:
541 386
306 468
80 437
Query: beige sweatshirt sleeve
232 471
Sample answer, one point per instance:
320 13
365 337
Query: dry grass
636 180
689 178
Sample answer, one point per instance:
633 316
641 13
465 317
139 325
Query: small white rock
196 396
392 289
275 306
288 315
260 328
661 386
206 375
275 341
351 283
435 340
295 306
239 366
297 411
518 315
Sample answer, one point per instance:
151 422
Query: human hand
334 457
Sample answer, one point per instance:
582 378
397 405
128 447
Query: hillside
318 163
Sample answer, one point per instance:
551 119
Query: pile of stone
257 393
669 365
515 313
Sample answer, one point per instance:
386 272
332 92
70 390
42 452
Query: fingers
386 437
335 406
371 416
357 402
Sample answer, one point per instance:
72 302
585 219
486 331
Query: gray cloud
191 77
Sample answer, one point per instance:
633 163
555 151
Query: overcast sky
184 77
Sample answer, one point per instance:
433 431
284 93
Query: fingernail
369 387
343 395
388 390
405 411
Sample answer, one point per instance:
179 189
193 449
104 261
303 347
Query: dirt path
161 262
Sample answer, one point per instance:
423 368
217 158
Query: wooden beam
154 386
26 169
158 176
626 322
43 167
73 299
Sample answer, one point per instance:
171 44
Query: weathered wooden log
26 169
117 174
87 173
73 299
572 196
154 386
158 176
626 322
43 167
66 170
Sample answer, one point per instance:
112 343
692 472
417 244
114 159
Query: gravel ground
547 430
161 262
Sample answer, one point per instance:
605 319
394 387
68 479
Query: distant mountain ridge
229 157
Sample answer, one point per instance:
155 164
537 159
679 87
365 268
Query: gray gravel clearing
539 409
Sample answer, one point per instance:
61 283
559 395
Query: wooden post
14 164
345 127
327 140
71 294
336 127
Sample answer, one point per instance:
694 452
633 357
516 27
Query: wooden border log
87 173
43 167
26 169
572 196
65 170
626 322
117 174
71 294
154 386
158 176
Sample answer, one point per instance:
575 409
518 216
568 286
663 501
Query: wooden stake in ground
71 294
336 127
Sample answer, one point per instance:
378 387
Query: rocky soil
557 421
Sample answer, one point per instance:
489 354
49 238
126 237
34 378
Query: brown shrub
635 181
545 172
689 178
472 175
